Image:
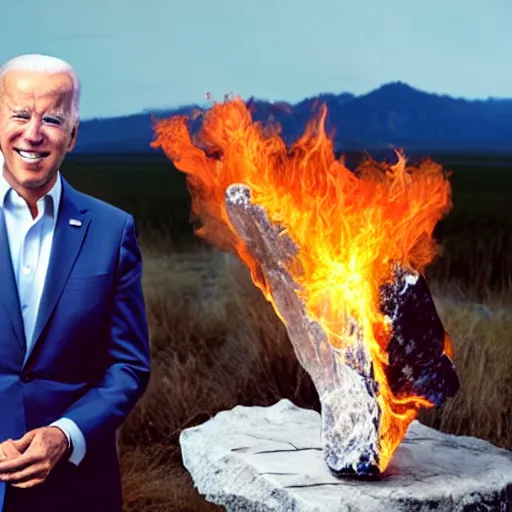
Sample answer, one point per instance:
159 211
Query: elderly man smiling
74 353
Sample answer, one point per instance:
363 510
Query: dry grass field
217 343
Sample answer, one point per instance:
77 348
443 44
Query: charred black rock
417 364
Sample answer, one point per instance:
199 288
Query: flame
351 227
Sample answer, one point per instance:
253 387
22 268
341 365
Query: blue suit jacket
90 357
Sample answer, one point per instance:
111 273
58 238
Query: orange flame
350 227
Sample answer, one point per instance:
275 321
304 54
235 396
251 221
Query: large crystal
344 378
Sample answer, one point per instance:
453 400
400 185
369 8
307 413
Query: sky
136 55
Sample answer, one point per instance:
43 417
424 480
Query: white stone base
270 459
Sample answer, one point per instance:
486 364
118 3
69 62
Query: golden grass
481 333
217 343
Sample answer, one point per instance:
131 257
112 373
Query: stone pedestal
270 459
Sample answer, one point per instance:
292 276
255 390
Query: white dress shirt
30 242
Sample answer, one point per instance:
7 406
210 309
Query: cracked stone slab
265 459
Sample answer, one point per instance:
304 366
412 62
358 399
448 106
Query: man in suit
74 350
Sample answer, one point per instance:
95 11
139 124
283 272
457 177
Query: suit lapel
8 288
67 242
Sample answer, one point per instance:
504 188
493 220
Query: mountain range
393 115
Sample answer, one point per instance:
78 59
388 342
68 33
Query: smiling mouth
32 156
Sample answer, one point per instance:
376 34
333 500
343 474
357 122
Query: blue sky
135 55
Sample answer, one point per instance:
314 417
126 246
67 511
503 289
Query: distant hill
395 114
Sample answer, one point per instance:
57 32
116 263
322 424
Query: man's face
36 128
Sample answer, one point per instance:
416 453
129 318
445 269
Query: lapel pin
75 222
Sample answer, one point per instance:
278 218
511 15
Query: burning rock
417 362
344 378
340 255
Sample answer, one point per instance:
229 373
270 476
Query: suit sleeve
104 407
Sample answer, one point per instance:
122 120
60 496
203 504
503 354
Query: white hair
46 64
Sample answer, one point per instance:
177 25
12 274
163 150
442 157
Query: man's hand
38 453
8 450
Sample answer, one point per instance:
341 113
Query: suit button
26 377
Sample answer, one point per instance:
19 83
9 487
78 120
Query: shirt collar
54 193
